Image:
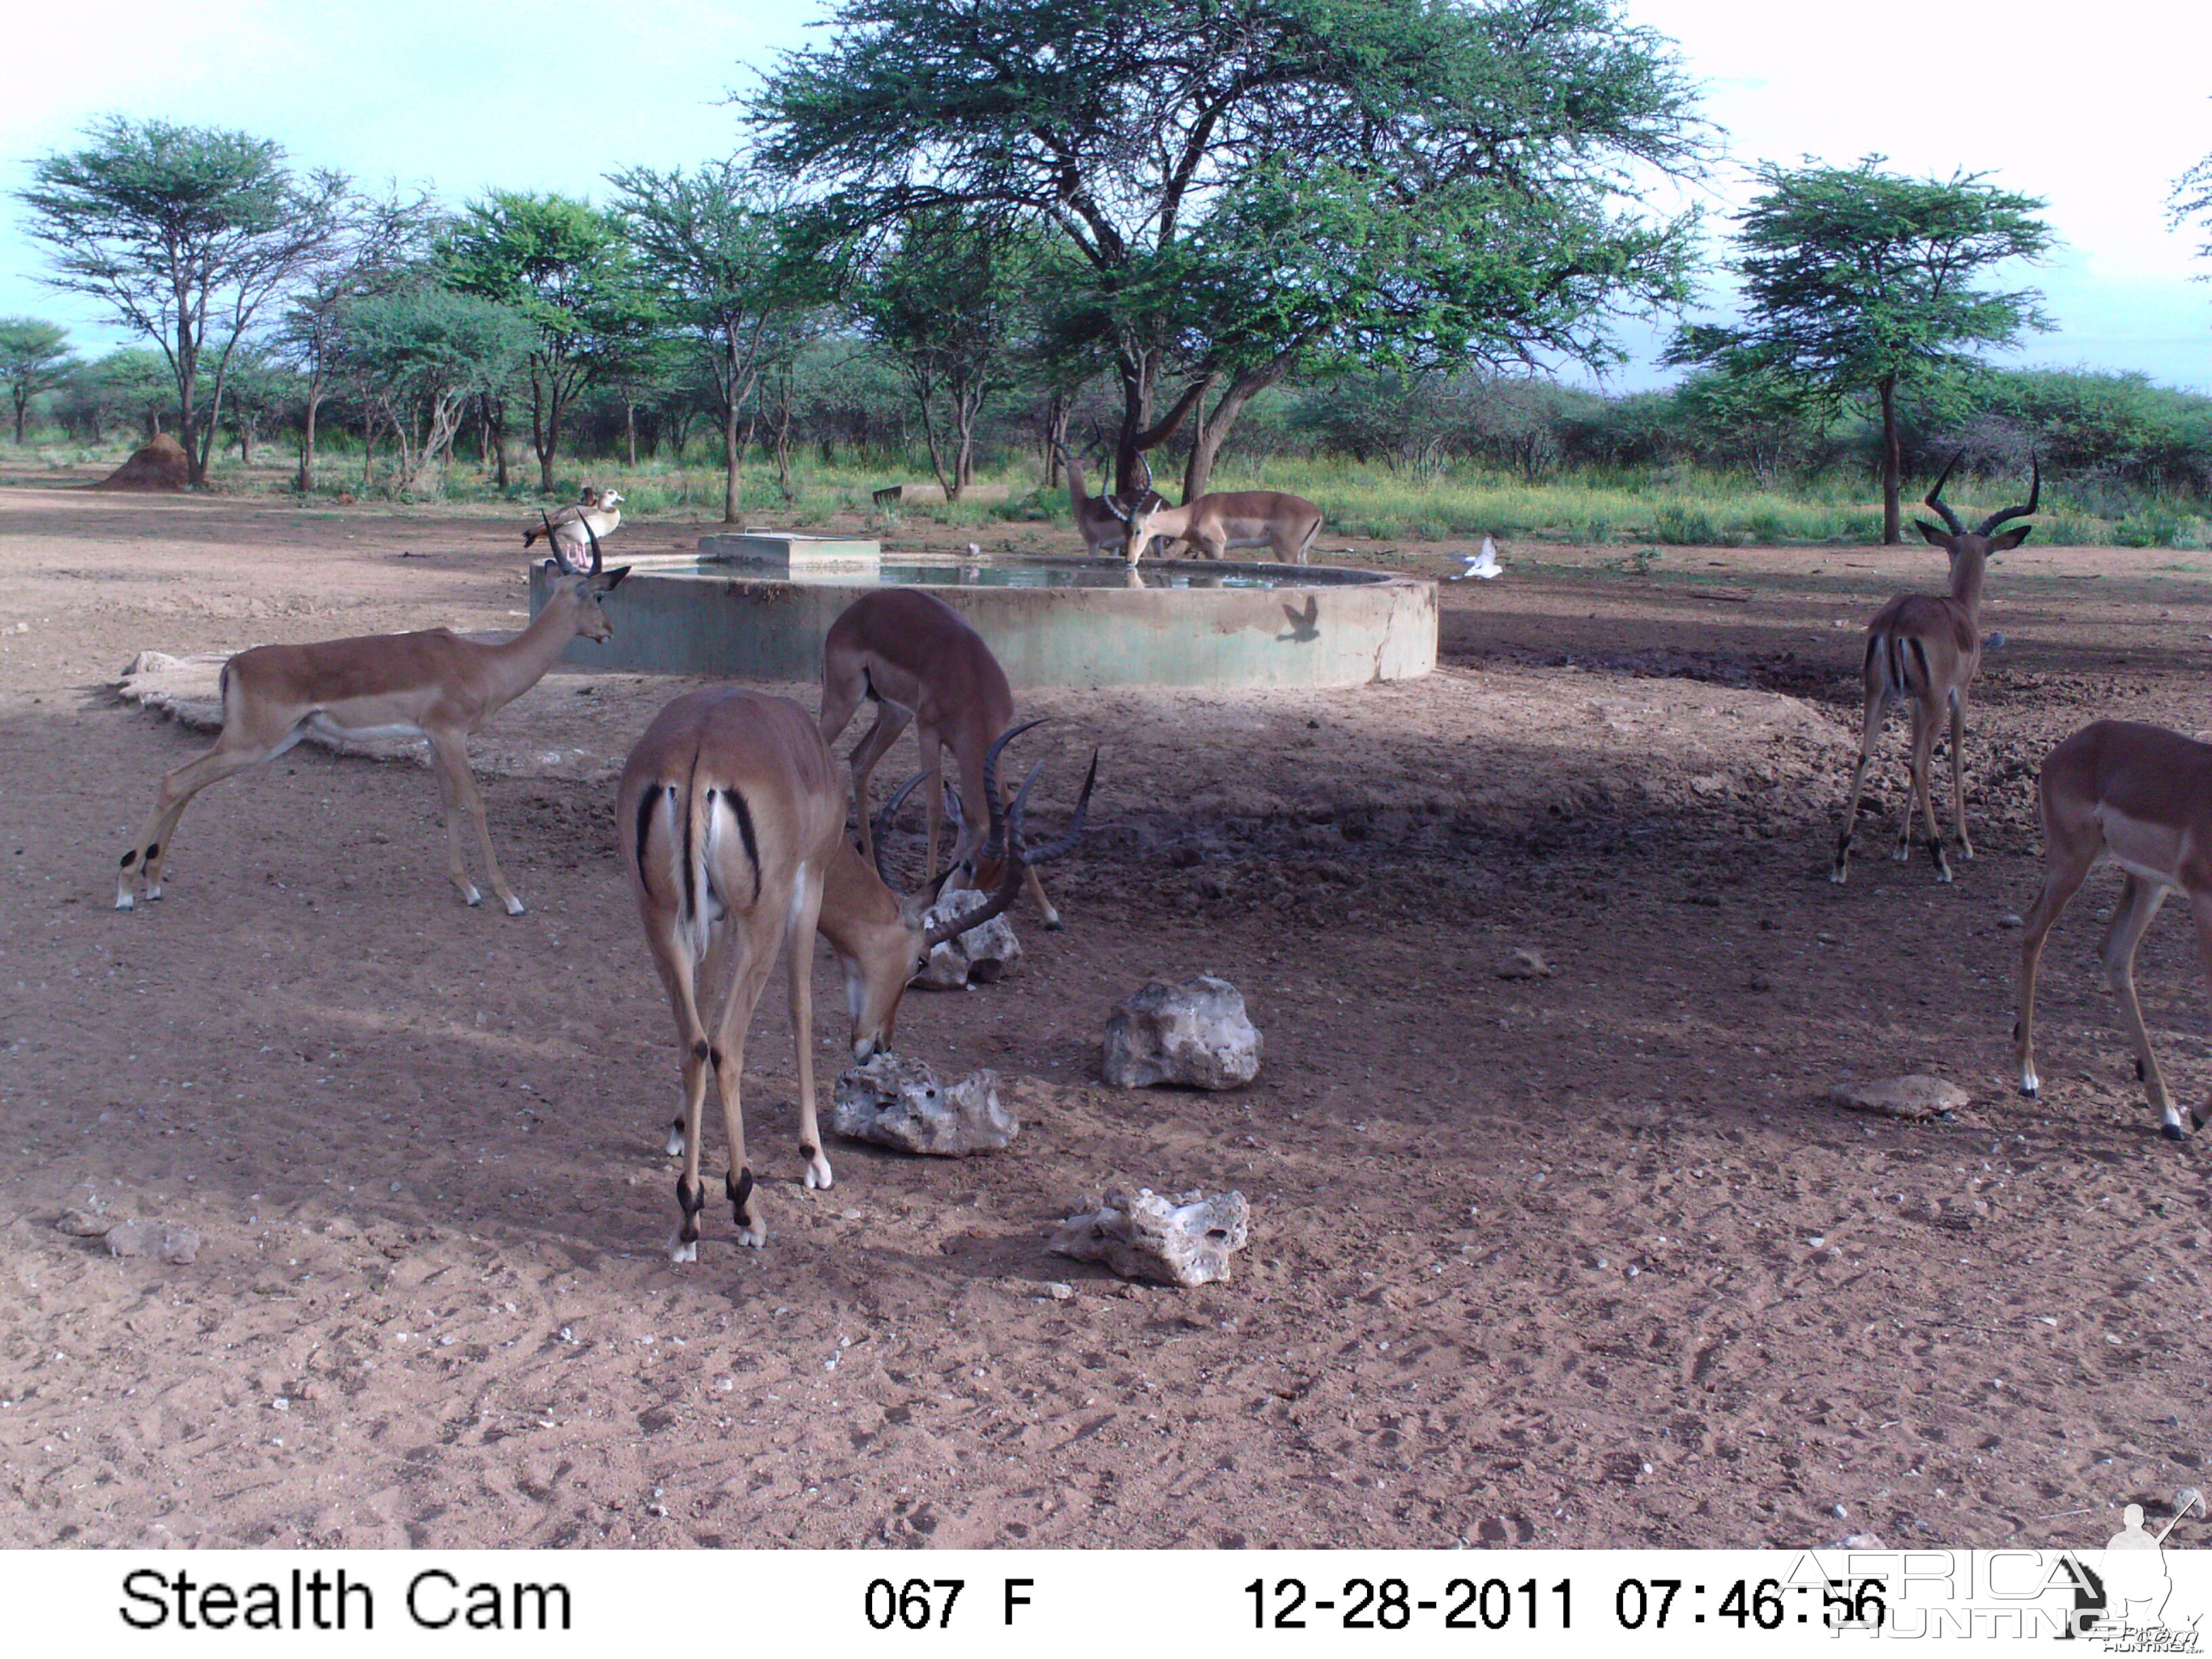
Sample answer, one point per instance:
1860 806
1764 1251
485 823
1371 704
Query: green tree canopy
1855 281
421 353
178 230
1251 182
565 267
719 245
34 357
949 305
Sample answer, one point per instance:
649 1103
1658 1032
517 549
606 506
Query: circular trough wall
1049 621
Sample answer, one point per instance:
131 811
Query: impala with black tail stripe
733 817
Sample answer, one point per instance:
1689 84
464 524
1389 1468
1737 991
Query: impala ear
2010 539
607 581
1932 533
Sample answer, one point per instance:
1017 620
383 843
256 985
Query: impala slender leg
891 720
1924 760
799 945
1877 707
932 789
2131 918
755 958
672 955
454 746
177 789
449 795
1958 773
2068 869
2200 910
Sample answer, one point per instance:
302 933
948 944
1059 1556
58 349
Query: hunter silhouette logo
2123 1598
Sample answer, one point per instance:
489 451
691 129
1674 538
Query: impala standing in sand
433 684
733 821
2141 796
1922 650
916 659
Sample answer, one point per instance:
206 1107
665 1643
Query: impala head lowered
879 966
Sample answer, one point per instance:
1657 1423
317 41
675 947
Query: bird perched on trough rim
569 531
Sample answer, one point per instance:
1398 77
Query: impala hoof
154 894
753 1238
818 1177
124 901
513 905
675 1147
1943 873
470 896
2031 1091
1054 925
681 1250
2196 1118
1840 875
2171 1131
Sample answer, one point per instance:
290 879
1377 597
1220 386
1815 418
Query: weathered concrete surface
1332 628
778 553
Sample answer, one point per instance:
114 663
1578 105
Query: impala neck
1966 572
519 663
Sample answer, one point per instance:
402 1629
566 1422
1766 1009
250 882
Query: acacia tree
1251 184
178 230
34 357
376 245
420 354
1857 281
719 244
565 267
947 306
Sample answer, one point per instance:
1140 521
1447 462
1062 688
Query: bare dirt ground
1582 1261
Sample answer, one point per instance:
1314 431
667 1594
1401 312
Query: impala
733 821
600 513
433 684
1285 525
1922 650
1101 521
916 659
2141 796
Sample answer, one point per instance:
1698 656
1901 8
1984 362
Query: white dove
1482 565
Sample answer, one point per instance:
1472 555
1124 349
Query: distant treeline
849 404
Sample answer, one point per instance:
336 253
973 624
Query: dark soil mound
160 466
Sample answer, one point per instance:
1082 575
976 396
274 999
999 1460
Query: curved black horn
597 564
1934 497
2034 495
880 825
1019 857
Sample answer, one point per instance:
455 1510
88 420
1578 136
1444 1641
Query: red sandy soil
1582 1261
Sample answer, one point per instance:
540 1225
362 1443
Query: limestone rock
172 1243
1195 1034
1914 1096
84 1224
1187 1240
982 956
899 1103
1524 963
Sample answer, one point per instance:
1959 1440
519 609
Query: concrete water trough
1049 621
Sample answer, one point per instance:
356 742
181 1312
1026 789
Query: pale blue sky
2097 108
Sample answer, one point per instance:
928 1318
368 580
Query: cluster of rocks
982 956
